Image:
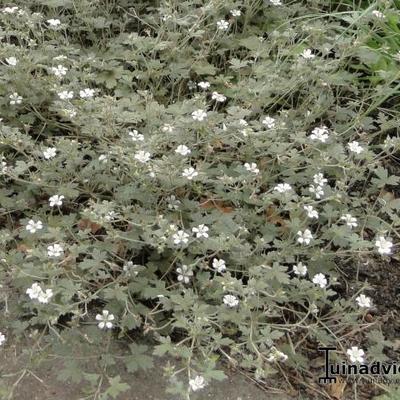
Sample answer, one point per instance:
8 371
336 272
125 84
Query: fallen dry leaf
273 216
87 224
369 318
218 204
336 389
23 248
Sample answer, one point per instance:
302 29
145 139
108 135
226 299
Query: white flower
33 226
203 85
3 166
319 179
49 152
252 168
34 291
183 150
307 54
184 274
283 187
191 85
105 319
15 98
350 220
197 383
55 250
300 269
56 200
54 22
390 141
378 14
111 216
355 354
363 301
311 212
166 17
2 339
314 309
12 61
269 122
276 355
219 265
129 268
172 227
180 237
142 156
304 237
236 13
86 93
354 147
201 231
103 158
136 136
173 202
384 245
10 10
189 173
317 190
246 132
222 25
199 115
320 280
230 300
59 71
69 112
65 95
45 296
320 133
219 98
167 128
276 2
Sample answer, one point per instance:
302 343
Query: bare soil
42 384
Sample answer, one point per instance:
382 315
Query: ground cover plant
210 178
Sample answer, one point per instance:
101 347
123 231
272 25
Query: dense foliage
195 174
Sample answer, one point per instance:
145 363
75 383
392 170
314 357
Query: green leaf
138 359
70 372
216 374
384 178
204 68
164 347
116 387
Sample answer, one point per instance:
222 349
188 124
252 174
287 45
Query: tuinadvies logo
375 369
